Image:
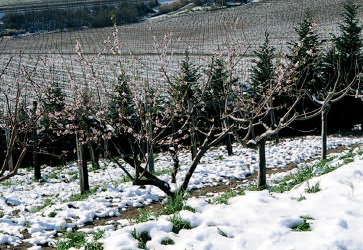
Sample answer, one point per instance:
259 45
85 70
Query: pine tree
216 97
263 73
53 104
121 107
343 62
306 55
184 93
349 44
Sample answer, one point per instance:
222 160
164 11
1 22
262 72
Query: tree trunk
261 179
175 166
92 154
273 123
175 156
229 139
324 131
150 158
37 172
10 162
82 167
193 142
105 146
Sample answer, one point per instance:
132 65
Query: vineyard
201 33
184 116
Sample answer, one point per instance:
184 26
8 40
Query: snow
257 220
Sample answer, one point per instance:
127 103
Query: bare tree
12 122
250 113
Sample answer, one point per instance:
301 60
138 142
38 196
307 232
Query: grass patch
144 216
224 197
167 171
301 198
312 189
124 179
290 181
6 183
53 175
142 238
167 241
78 240
178 223
94 245
304 226
69 240
47 202
81 197
174 204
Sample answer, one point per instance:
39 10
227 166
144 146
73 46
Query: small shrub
142 238
178 223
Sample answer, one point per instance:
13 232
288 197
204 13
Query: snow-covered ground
258 220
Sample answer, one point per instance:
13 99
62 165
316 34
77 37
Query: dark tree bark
37 172
324 131
261 179
82 167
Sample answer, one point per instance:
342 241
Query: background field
240 29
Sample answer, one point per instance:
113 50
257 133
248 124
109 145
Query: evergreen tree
343 62
52 141
185 88
184 92
306 56
121 106
348 46
216 98
215 94
263 73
